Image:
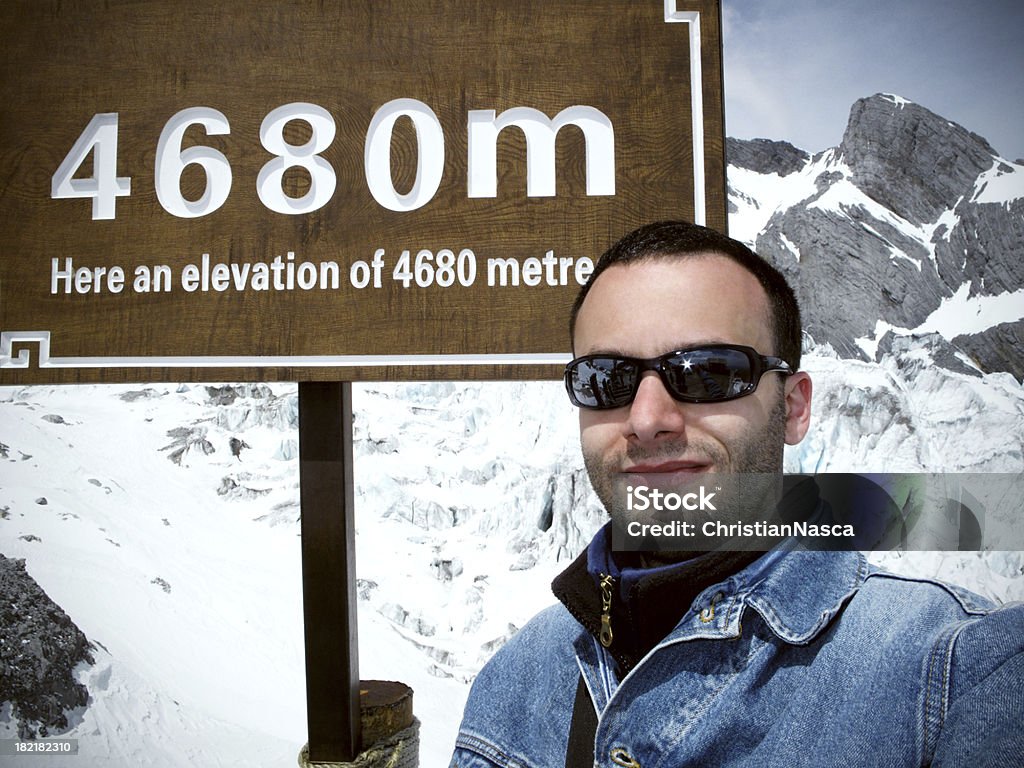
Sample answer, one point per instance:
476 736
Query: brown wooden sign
289 189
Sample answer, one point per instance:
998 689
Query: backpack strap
579 751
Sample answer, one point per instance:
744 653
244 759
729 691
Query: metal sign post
328 570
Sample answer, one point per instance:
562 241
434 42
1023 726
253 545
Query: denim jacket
803 658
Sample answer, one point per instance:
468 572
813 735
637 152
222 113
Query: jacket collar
796 591
646 603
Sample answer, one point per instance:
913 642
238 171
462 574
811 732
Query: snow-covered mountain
180 561
912 227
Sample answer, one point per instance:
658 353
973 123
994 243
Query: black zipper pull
607 584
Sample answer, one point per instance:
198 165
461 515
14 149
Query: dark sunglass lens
710 374
603 382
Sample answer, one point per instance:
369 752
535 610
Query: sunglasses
711 374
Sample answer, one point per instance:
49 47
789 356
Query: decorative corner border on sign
24 358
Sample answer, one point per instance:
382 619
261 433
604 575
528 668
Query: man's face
647 309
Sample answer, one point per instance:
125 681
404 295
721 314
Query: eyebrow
618 352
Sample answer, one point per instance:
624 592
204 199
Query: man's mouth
665 472
668 467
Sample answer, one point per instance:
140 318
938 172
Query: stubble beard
755 459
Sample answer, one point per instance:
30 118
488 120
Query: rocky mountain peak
913 224
909 159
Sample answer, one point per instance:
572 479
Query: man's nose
654 414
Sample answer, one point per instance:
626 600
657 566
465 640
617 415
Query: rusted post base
389 729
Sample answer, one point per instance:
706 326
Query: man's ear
798 406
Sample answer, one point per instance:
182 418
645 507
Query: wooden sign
288 189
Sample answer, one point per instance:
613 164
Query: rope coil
399 751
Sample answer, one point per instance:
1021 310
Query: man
687 362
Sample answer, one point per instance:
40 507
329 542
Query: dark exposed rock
984 248
446 568
228 393
365 588
236 445
941 352
849 275
187 439
998 348
39 649
225 395
909 159
765 155
230 488
139 394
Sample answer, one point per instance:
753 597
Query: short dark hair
665 239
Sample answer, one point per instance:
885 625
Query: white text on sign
104 186
445 269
